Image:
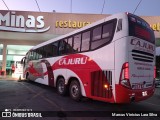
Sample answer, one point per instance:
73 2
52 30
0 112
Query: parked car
157 82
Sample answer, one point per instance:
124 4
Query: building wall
154 22
55 23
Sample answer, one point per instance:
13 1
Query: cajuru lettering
73 61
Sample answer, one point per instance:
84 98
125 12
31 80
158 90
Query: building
20 30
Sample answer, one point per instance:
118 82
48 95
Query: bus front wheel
61 87
74 90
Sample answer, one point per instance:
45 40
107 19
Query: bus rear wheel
61 87
75 91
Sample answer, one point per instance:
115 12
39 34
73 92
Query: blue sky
147 7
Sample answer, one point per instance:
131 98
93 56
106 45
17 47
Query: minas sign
19 23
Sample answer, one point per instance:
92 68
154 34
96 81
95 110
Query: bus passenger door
23 61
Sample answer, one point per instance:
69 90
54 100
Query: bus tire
75 90
61 87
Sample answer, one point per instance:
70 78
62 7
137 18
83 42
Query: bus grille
142 56
98 80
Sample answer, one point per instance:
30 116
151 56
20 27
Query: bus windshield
141 29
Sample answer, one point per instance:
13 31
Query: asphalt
37 97
9 77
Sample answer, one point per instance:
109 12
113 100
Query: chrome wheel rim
74 90
61 87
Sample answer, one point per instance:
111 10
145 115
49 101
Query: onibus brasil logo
20 113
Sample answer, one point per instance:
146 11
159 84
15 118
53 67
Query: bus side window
107 30
69 46
77 43
45 51
85 41
27 58
31 55
41 52
55 48
96 37
119 26
62 47
48 50
97 33
103 35
39 56
34 55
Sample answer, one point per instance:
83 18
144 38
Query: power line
5 4
38 6
103 7
137 6
71 7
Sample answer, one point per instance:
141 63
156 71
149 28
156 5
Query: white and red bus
110 60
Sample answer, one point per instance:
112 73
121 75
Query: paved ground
43 99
